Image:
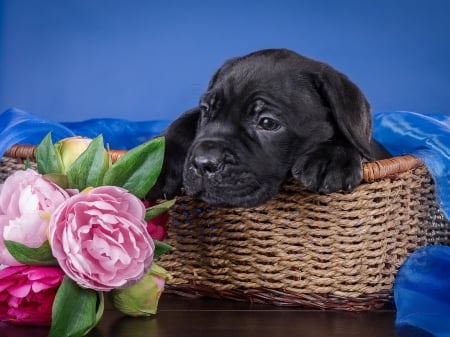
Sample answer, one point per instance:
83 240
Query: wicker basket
338 251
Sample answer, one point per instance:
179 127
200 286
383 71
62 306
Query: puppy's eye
268 124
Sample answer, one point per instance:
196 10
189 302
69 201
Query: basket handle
371 170
389 167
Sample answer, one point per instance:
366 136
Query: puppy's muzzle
217 172
210 157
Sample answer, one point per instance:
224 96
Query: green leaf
74 310
58 178
156 269
156 210
47 159
27 163
161 248
138 169
88 169
34 256
100 307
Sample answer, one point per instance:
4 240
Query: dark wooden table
180 317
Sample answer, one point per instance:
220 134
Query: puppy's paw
329 168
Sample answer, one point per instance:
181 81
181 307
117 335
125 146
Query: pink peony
100 240
25 197
27 293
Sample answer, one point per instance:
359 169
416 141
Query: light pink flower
25 197
27 293
100 239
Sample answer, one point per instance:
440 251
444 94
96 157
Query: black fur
265 117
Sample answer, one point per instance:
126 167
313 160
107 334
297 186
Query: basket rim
371 171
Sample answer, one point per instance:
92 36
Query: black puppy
265 117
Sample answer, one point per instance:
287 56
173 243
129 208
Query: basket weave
338 251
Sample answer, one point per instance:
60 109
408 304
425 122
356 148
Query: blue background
70 60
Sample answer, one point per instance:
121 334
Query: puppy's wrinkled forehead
268 71
265 68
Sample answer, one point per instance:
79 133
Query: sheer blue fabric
422 291
427 137
422 286
18 126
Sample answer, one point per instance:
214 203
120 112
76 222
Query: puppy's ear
178 138
349 108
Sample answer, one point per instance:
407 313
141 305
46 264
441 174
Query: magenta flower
100 239
27 293
158 226
25 200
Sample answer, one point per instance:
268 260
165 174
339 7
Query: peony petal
38 286
128 202
5 284
8 271
29 230
28 201
20 290
102 205
45 273
80 264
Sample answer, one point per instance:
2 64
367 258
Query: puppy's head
259 114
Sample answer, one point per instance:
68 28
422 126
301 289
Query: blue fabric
422 285
18 126
422 291
427 137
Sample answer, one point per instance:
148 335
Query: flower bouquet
78 228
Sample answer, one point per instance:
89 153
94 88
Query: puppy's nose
206 164
208 157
